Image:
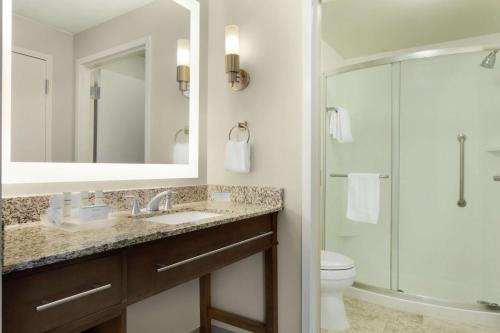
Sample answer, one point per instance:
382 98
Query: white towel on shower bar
363 197
340 125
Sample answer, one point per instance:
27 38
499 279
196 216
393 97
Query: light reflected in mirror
97 82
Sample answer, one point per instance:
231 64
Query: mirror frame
45 172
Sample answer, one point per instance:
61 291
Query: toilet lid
335 261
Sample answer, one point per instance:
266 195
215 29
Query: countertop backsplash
24 209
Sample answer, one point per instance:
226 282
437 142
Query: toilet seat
333 261
337 274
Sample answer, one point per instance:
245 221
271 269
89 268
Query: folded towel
363 197
237 157
340 125
181 153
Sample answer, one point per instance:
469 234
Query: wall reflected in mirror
96 82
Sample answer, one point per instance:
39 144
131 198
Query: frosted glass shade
183 53
232 33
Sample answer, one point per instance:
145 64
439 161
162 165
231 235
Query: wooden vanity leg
271 282
205 301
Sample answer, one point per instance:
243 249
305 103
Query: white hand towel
340 125
237 157
363 197
181 153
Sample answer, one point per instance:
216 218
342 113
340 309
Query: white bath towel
237 157
340 125
363 197
181 153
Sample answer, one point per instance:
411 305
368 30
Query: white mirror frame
27 172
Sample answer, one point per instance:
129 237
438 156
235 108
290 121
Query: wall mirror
100 90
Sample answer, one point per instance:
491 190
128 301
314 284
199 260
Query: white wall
166 22
271 51
330 58
45 39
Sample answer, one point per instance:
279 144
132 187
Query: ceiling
357 28
74 16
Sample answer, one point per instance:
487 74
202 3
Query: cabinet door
50 298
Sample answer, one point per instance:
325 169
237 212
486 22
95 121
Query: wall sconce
183 60
237 77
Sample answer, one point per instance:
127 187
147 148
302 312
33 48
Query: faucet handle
168 199
136 208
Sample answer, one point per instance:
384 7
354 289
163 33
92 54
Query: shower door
447 251
367 96
406 119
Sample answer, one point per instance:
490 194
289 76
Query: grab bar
461 201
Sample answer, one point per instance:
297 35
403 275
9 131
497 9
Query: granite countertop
37 244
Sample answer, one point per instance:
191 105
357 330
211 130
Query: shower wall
407 116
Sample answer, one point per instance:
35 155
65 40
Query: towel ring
184 130
241 125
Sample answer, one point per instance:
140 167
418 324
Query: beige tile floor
370 318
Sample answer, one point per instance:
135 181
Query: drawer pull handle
163 268
72 298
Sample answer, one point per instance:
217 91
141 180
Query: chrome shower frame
394 290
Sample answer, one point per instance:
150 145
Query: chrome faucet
154 204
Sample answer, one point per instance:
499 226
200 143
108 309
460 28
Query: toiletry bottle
76 199
84 199
67 204
100 199
55 211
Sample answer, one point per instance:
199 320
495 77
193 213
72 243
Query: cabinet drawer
47 299
159 265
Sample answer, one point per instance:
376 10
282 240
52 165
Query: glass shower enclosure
432 124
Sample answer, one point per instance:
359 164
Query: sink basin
181 217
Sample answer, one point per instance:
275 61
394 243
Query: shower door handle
461 200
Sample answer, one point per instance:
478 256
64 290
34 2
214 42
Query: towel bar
242 126
341 175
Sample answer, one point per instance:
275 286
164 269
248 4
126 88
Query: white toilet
337 273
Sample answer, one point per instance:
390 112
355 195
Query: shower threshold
482 306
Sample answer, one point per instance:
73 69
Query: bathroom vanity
82 281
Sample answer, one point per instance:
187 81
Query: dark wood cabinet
161 265
47 299
91 294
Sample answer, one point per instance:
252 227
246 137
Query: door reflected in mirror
94 83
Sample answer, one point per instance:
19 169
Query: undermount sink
182 217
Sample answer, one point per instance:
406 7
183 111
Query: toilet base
333 315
